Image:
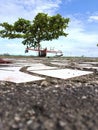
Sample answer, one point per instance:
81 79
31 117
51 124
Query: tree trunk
39 53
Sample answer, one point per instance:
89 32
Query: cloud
13 46
93 18
82 41
11 10
83 37
78 32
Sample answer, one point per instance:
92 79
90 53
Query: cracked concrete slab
17 77
40 66
13 73
96 68
62 73
10 68
59 63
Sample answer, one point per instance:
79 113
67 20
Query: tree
42 28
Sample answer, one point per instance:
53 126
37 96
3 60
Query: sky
82 29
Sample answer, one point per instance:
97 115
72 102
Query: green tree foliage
42 28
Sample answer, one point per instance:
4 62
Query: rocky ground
53 104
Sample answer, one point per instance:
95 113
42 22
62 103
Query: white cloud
11 10
82 36
93 18
77 32
13 46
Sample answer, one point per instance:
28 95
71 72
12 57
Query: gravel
50 105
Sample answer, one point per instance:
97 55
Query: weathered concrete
63 73
17 77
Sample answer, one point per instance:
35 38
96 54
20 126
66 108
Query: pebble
57 86
17 118
44 84
54 82
84 97
2 83
29 122
96 90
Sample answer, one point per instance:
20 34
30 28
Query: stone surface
17 77
63 73
70 104
39 66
